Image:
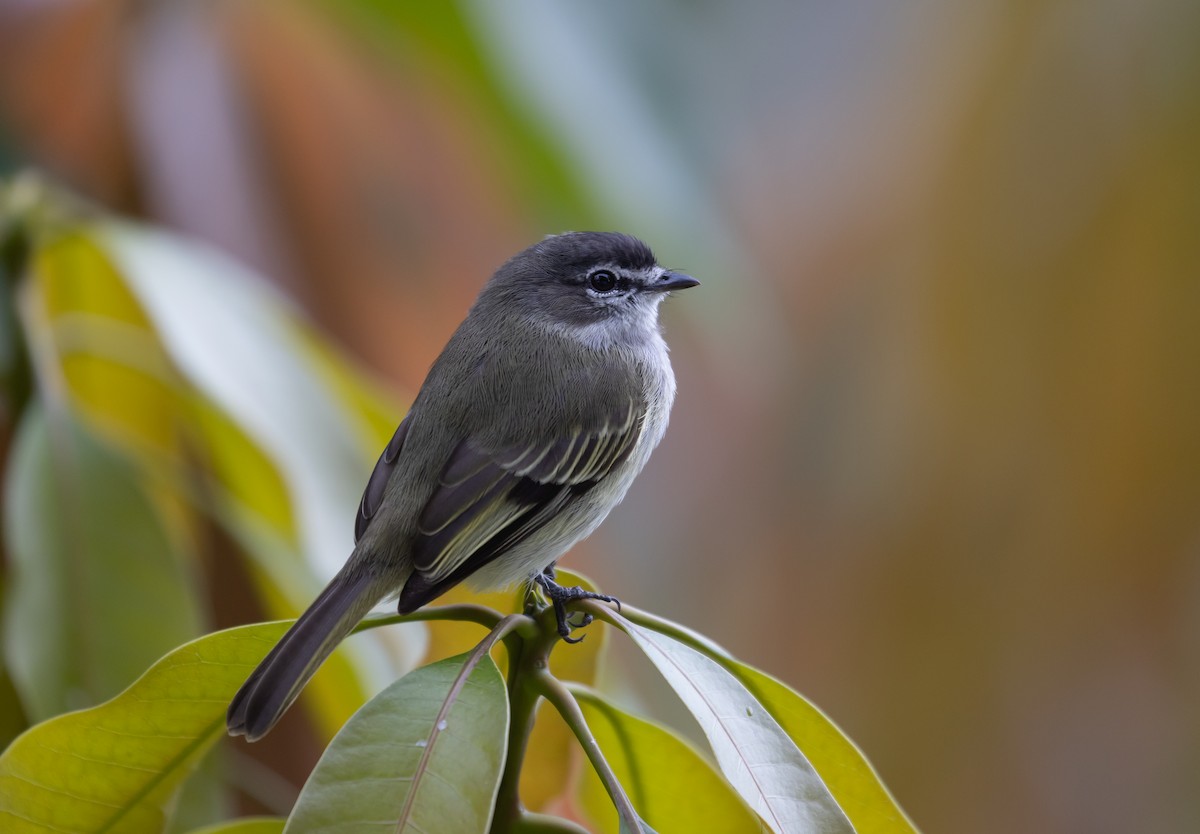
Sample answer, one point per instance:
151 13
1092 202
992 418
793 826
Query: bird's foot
559 596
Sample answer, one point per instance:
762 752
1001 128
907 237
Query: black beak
673 281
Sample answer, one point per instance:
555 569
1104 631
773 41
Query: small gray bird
530 427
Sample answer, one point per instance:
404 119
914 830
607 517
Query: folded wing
373 494
489 500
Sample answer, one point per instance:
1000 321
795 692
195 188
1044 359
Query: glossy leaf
85 540
844 769
287 448
117 767
424 755
236 342
97 344
106 341
672 786
754 753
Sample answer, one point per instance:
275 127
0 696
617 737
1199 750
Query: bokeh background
935 459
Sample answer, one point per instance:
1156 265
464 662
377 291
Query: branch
554 691
460 612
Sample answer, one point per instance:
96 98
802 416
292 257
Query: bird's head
601 287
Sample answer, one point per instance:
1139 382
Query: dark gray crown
582 249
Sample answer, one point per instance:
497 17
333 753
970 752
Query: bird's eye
603 281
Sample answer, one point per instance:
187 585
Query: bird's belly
544 547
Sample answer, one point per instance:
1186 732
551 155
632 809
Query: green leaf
288 449
92 339
758 758
117 767
670 783
246 825
85 540
844 769
425 755
238 344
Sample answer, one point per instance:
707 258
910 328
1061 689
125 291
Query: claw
559 596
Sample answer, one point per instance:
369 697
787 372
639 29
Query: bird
529 428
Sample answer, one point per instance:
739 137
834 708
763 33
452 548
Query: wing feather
590 464
551 470
373 493
488 500
451 500
529 465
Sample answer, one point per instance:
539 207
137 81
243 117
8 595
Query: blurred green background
935 459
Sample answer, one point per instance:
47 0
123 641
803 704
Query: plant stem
459 612
628 614
560 696
529 639
528 656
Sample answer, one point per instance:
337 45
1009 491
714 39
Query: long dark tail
272 687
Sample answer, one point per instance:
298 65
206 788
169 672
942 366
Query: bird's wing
488 501
373 494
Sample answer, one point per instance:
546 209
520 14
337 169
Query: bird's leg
559 596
